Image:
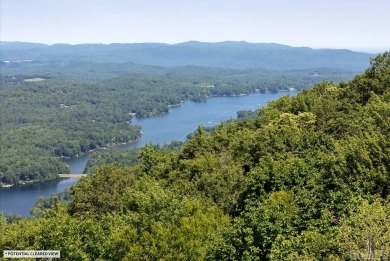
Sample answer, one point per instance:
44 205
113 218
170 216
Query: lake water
175 125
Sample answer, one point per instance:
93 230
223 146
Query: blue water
175 125
20 200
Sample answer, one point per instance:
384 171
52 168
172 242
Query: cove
175 125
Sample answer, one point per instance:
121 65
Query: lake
175 125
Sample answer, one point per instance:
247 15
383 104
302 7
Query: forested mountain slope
239 55
308 179
54 111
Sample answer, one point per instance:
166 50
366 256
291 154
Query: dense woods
55 111
128 157
307 179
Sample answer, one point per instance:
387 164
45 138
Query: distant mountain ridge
228 54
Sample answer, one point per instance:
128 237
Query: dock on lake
72 175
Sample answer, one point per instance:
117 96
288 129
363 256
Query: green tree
366 232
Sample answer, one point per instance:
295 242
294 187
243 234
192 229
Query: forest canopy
54 111
307 179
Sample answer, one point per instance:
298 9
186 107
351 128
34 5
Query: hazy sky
354 24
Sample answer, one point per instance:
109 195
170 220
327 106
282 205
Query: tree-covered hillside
308 179
238 55
49 112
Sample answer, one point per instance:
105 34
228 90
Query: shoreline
208 96
114 145
29 182
234 105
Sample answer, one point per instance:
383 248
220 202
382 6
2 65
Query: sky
361 25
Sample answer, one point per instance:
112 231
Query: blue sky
353 24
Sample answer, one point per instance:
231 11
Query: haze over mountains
229 54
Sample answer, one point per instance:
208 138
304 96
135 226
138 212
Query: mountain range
228 54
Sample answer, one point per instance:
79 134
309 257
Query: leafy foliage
308 179
78 107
